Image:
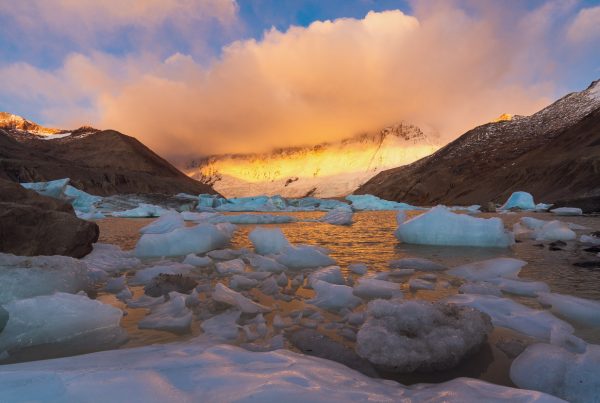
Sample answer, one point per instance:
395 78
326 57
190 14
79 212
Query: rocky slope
31 224
101 162
324 170
553 154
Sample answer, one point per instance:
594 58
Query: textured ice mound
332 296
407 336
183 241
533 228
227 296
371 288
489 269
200 371
331 274
168 221
143 210
303 257
110 258
72 323
439 226
172 316
24 277
268 241
554 370
519 200
339 216
370 202
580 310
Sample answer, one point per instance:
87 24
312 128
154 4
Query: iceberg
255 203
314 204
439 226
407 336
268 241
567 211
65 323
82 201
183 241
172 316
489 269
60 189
554 231
333 297
374 203
168 221
519 200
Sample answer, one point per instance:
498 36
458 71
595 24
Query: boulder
31 224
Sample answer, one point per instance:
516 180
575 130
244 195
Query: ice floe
373 203
567 211
143 210
227 296
331 274
333 296
268 241
110 258
303 257
168 221
519 200
339 216
371 288
416 263
172 315
581 310
489 269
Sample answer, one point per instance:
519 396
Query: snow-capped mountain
324 170
554 154
9 121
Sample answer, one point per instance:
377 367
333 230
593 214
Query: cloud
446 68
586 26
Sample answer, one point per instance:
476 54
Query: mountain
553 154
324 170
101 162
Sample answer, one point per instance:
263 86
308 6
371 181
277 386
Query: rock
4 315
511 347
489 207
164 283
588 264
31 224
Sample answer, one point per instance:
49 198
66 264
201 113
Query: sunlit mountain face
324 170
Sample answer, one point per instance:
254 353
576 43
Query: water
370 240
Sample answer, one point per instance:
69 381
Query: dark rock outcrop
31 224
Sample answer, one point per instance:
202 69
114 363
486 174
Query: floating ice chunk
370 288
554 231
172 316
89 216
254 203
420 284
532 223
145 301
114 285
69 323
145 276
200 371
55 189
542 207
82 201
254 219
269 286
508 313
519 200
488 269
168 221
235 266
268 241
339 216
182 241
223 326
24 277
282 280
192 216
547 368
267 264
238 282
370 202
110 258
481 288
303 257
125 294
331 274
224 254
416 263
333 297
567 211
580 310
519 287
143 210
589 239
227 296
439 226
358 268
198 261
406 336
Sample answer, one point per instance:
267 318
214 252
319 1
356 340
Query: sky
200 77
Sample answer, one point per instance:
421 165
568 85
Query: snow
489 269
110 258
332 296
583 311
183 241
227 296
416 263
331 274
338 216
172 316
54 136
551 369
510 314
371 288
25 277
145 276
519 200
303 257
439 226
168 221
268 241
66 321
407 336
143 210
567 211
201 371
374 203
